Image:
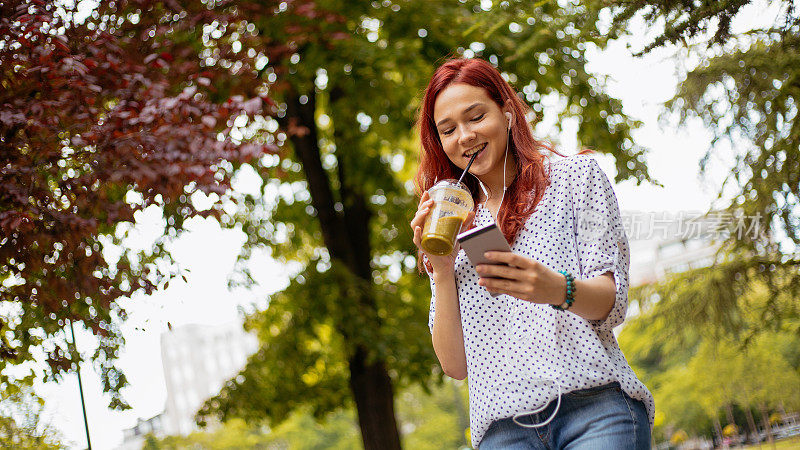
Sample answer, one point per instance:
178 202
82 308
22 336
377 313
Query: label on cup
455 200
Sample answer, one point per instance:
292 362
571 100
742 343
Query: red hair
527 188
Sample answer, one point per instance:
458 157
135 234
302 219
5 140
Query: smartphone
480 240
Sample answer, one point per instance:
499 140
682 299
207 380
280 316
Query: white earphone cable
513 313
505 188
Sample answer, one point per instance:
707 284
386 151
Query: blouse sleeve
432 312
601 241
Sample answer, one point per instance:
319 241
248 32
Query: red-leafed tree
101 117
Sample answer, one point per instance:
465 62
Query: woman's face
468 120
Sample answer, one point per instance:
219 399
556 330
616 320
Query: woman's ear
507 111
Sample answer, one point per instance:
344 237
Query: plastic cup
452 202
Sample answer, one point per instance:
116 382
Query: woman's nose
465 134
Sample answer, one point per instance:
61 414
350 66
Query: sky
642 84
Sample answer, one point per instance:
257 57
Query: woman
544 367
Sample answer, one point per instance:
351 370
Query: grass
784 444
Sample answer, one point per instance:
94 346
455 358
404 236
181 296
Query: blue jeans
602 417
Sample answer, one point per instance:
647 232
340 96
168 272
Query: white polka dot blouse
519 352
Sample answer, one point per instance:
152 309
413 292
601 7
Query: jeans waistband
602 387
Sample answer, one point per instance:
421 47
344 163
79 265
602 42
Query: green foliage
301 352
336 199
21 423
738 297
301 431
651 345
694 374
102 117
716 338
680 22
303 342
433 420
751 94
436 419
744 87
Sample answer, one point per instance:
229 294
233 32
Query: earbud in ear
509 117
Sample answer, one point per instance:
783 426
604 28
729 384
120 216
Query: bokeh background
204 212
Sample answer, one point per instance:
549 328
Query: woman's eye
478 117
448 131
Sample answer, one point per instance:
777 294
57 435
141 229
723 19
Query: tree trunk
729 413
306 147
345 232
752 423
730 418
718 429
767 425
374 396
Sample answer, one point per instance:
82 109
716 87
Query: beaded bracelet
570 291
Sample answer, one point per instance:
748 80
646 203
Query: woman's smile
477 149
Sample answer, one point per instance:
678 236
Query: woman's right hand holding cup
442 265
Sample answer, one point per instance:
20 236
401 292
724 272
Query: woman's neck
494 182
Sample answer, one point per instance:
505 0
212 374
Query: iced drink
452 202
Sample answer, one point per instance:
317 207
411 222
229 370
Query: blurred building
664 243
655 260
197 361
133 438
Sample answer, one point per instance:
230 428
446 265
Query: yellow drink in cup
452 202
